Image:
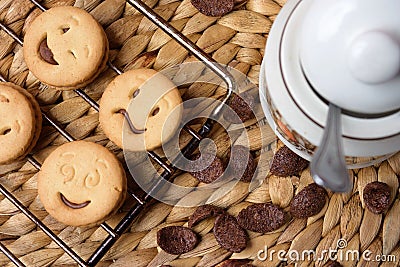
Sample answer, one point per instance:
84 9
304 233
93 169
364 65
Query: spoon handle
328 166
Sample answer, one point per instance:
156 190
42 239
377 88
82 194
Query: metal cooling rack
141 201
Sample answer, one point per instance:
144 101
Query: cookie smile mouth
130 123
72 204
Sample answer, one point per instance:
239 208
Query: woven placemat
236 39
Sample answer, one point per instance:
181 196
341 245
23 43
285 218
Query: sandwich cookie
147 102
81 183
20 123
65 47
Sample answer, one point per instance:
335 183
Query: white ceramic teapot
345 52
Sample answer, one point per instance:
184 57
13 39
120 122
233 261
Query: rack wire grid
141 201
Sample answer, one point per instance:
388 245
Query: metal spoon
328 166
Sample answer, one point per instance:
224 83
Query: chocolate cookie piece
242 163
242 106
287 163
333 264
176 239
235 263
308 201
229 234
214 8
261 218
207 173
377 197
204 212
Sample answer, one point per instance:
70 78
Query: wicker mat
236 39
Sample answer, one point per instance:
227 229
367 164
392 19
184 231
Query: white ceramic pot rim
356 143
347 39
307 101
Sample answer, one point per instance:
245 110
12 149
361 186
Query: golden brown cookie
81 183
38 114
20 122
153 105
65 47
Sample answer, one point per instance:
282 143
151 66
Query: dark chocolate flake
235 263
229 234
287 163
242 108
242 164
262 218
176 239
204 212
203 172
214 8
377 197
308 202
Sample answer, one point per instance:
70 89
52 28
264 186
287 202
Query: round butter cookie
81 183
20 123
65 47
149 105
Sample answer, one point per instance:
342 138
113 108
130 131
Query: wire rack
168 170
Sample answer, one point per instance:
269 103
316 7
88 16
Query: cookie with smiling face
81 183
65 47
140 110
20 122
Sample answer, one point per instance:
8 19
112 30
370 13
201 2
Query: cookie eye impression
4 99
92 179
135 94
5 130
46 53
155 111
65 29
68 171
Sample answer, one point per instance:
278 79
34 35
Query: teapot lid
350 53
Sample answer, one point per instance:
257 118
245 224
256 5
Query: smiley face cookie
65 47
81 183
140 110
20 122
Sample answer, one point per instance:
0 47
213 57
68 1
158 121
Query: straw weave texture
236 39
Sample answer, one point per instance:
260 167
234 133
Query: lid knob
374 57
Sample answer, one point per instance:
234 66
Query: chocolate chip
229 234
204 212
214 8
207 173
46 53
262 217
333 264
176 239
308 201
235 263
377 197
242 164
242 107
287 163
